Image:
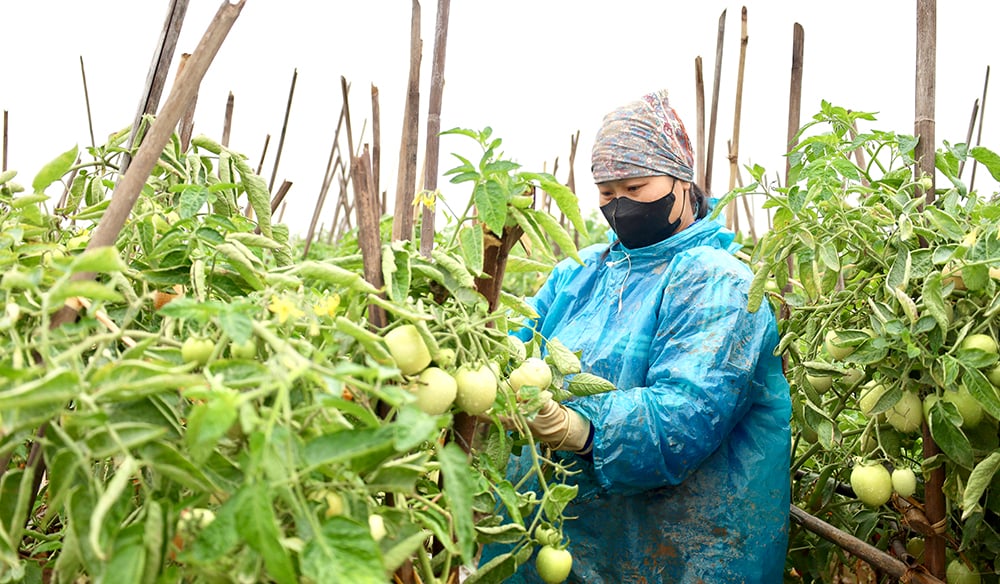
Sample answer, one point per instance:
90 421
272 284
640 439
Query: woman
684 468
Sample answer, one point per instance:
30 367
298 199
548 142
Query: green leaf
949 437
934 302
396 271
491 205
944 223
88 289
221 535
208 422
565 198
899 273
981 389
470 240
54 170
192 199
495 571
459 492
979 480
412 428
237 325
259 529
583 384
829 255
59 386
361 449
989 159
565 361
557 232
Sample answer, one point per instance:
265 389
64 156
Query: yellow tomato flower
327 306
284 309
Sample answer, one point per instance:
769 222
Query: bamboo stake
325 186
715 103
867 552
345 90
574 140
699 124
279 197
369 237
263 154
402 223
157 76
86 99
979 132
926 63
377 149
3 159
734 151
227 120
284 130
186 124
968 135
431 150
795 92
127 191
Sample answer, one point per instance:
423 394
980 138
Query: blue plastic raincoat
690 474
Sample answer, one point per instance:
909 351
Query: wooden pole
968 135
979 132
795 92
284 130
926 65
734 151
3 159
699 124
715 104
127 191
377 149
431 151
869 553
227 120
325 186
157 76
186 124
86 99
402 223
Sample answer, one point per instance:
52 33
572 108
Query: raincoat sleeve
700 380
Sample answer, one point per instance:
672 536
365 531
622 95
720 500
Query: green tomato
981 342
532 371
445 358
872 484
830 341
915 547
553 564
906 415
870 394
993 374
476 389
968 406
958 573
408 349
821 383
197 350
435 389
852 377
245 350
904 482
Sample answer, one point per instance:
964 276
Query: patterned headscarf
643 138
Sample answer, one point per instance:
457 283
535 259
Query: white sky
536 71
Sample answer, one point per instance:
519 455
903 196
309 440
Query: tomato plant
888 289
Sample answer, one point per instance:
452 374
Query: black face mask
641 224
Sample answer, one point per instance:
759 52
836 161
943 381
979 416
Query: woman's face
647 189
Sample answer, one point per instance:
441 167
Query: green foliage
903 279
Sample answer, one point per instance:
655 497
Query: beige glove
561 428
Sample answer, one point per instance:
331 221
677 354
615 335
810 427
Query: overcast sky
536 71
